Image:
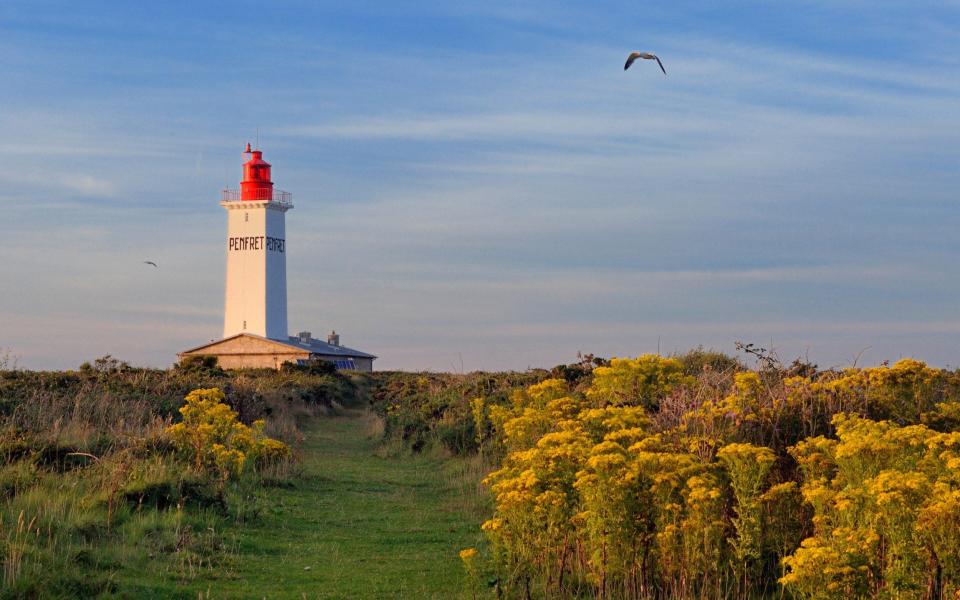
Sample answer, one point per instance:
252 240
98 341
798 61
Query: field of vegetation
656 477
195 482
113 483
695 477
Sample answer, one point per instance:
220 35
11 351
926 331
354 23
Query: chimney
333 339
304 337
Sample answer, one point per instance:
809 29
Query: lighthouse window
246 217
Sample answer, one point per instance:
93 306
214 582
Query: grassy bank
99 500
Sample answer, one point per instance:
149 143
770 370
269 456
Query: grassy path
356 525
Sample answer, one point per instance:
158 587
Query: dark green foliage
201 365
699 359
578 372
570 373
455 430
178 487
421 409
314 367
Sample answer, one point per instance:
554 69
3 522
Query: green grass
357 524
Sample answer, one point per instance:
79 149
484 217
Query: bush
643 477
216 442
699 359
198 365
313 367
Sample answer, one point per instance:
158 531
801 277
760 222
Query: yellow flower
467 554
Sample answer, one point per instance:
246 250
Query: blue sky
480 184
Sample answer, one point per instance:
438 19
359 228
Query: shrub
199 365
215 441
641 481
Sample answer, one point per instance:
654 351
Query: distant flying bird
150 262
635 55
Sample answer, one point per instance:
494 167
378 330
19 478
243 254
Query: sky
480 185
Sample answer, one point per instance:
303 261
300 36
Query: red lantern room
256 184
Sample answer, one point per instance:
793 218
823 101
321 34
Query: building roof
313 346
316 346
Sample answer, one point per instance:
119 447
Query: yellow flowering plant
885 512
216 441
639 482
642 381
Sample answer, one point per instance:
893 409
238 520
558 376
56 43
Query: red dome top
256 184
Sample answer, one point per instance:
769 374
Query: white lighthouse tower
256 289
255 333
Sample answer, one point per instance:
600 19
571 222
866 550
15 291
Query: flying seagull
150 262
635 55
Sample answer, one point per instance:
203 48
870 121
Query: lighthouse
255 331
255 298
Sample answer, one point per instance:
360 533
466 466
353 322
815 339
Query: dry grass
374 425
84 418
464 476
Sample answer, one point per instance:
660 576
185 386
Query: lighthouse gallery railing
285 198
